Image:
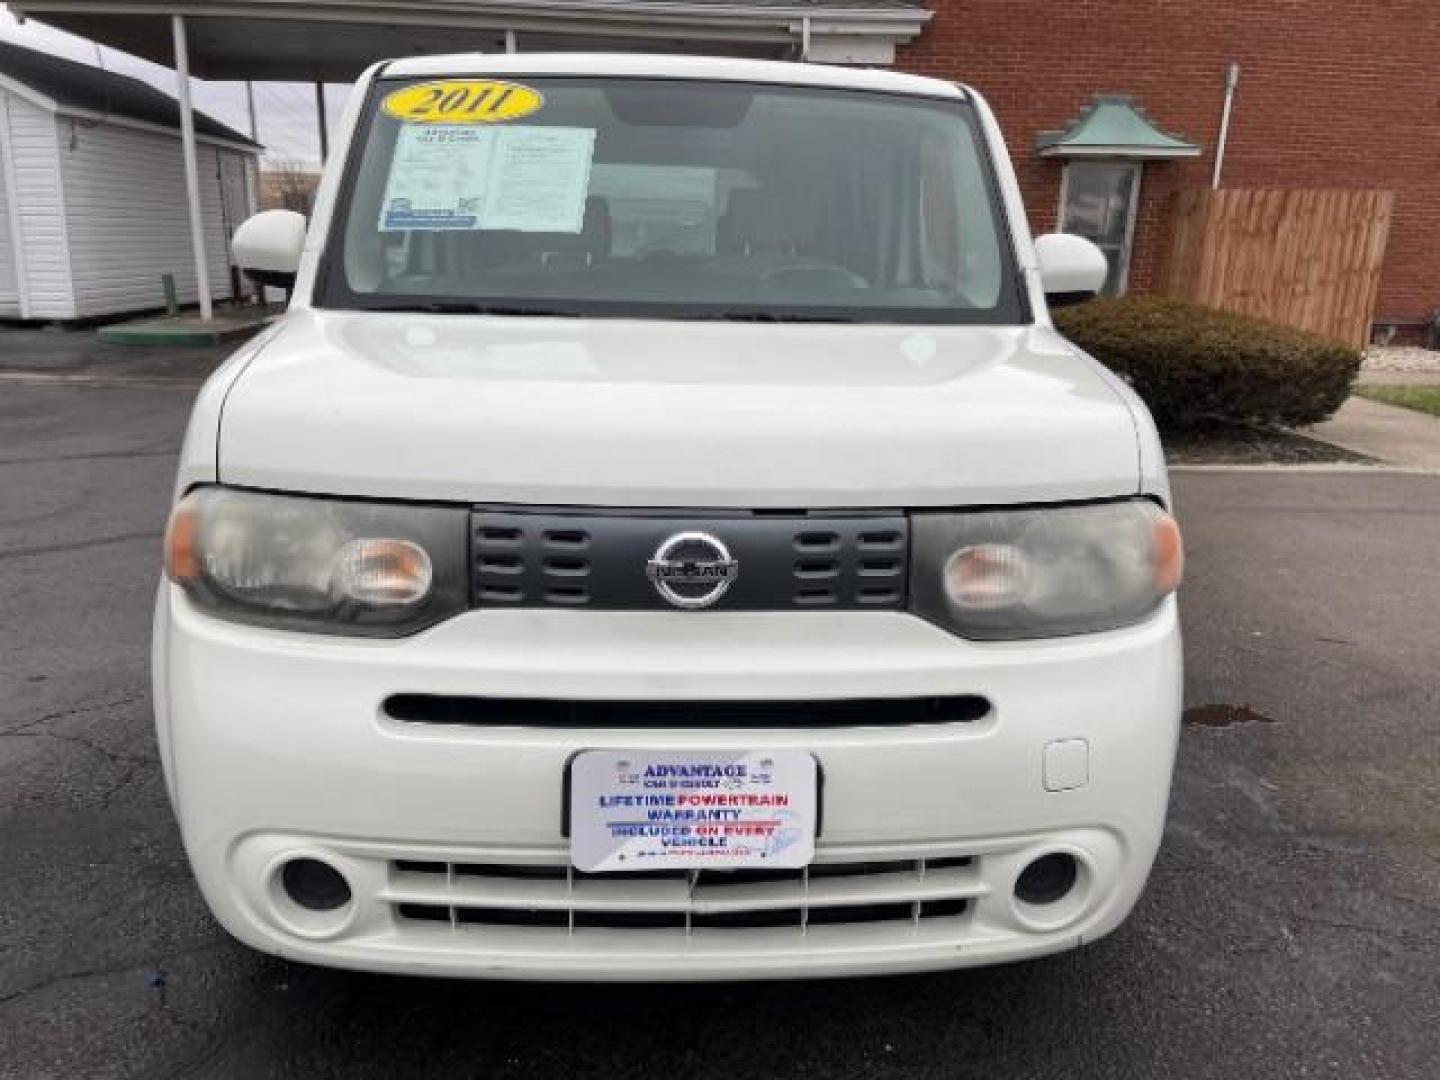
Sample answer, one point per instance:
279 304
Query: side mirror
267 247
1072 269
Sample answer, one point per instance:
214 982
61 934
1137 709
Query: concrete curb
122 382
1343 467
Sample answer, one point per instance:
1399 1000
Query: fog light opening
315 885
1048 879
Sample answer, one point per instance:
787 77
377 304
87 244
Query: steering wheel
815 276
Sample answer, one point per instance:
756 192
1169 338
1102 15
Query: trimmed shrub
1196 366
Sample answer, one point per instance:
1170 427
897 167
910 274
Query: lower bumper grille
475 896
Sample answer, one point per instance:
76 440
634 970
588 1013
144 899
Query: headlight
324 565
1004 574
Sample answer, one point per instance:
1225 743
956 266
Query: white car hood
614 412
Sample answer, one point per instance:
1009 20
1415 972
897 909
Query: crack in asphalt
12 996
1394 935
126 779
78 545
115 757
78 710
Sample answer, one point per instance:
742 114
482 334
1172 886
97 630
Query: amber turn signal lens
987 577
182 551
1169 554
383 571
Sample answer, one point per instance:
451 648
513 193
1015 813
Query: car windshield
670 199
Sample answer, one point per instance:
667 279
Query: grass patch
1424 399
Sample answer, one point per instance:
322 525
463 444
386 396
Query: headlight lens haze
324 565
1046 571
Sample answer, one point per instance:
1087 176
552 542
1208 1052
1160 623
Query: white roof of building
91 93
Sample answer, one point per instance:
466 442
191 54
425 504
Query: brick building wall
1331 94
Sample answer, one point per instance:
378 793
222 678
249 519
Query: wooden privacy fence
1309 259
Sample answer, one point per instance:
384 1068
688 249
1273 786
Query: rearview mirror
1072 269
267 247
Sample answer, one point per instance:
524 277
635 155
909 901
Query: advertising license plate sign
636 810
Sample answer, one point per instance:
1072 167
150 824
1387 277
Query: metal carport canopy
333 40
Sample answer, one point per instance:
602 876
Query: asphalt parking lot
1291 928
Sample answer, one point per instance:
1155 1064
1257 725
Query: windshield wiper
771 316
469 307
480 307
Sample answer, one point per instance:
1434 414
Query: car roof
653 66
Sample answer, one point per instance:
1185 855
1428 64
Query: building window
1098 201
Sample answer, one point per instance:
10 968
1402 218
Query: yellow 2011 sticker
462 101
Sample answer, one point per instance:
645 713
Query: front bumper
276 745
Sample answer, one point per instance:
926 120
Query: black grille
785 562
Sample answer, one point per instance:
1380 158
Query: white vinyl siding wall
36 167
126 217
97 214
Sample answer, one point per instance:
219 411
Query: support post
510 44
324 125
192 171
250 104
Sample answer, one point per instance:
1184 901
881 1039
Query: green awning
1113 126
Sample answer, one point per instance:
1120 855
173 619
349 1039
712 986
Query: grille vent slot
515 566
863 569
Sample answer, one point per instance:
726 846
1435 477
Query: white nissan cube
665 539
